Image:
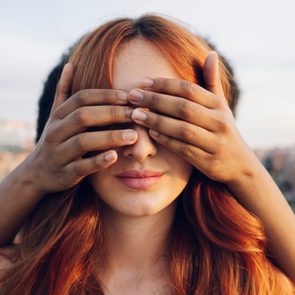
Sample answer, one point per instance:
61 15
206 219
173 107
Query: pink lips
143 179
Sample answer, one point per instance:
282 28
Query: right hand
57 162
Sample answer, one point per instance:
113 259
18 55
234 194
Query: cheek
100 181
180 168
140 203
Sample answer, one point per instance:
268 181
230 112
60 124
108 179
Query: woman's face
130 196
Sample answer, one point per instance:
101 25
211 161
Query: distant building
16 141
9 160
16 135
280 163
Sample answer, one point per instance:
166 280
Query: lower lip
139 183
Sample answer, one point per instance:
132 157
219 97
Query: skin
56 162
204 134
139 220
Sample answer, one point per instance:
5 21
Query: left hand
200 126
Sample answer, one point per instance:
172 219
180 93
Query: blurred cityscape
17 140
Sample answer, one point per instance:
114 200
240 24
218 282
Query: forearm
17 199
258 193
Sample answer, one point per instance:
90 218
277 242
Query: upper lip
140 173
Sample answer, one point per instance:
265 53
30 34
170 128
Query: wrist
250 175
26 180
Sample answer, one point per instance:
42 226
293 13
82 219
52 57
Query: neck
137 245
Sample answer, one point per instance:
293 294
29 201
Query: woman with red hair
141 182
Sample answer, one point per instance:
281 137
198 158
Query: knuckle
55 114
152 99
154 121
50 133
183 86
81 97
214 166
114 137
80 116
116 94
187 151
109 95
186 133
79 143
158 84
184 109
188 88
115 113
128 112
162 84
77 170
219 103
222 123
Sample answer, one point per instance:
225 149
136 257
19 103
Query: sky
257 37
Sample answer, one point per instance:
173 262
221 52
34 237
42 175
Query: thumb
64 86
211 74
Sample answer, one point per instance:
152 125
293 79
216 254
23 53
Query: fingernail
135 96
146 82
139 115
129 135
110 156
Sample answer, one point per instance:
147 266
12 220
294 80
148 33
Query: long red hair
217 246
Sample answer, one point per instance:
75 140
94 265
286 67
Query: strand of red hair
217 246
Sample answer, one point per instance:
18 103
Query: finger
94 116
64 86
87 166
175 128
185 89
211 74
85 142
174 106
193 154
89 97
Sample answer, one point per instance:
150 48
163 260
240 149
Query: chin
140 211
138 204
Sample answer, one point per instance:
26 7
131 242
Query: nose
144 146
